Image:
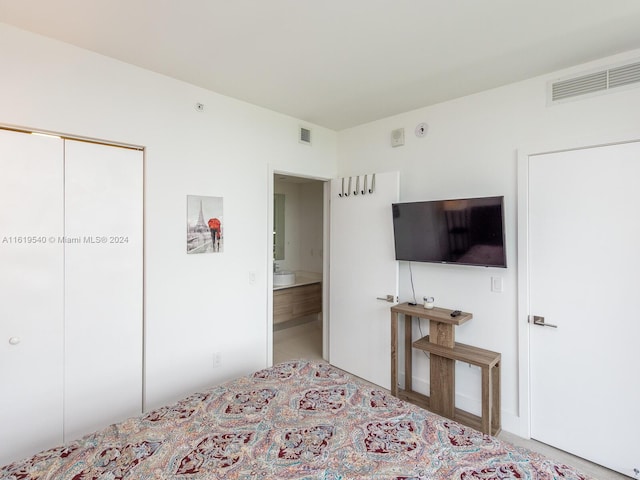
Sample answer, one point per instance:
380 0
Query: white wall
303 225
195 305
471 150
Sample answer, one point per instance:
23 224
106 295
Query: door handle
536 320
388 298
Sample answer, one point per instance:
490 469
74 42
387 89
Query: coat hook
348 188
364 190
342 194
357 190
373 183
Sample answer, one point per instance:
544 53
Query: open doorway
298 266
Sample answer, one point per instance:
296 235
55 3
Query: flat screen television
465 231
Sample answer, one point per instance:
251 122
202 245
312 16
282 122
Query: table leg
442 371
394 354
487 402
496 422
408 353
442 378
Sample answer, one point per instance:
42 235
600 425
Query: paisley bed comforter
296 420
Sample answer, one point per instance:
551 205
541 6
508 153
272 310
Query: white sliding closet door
103 286
31 294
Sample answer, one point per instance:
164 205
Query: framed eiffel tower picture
205 219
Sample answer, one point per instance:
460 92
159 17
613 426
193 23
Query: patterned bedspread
296 420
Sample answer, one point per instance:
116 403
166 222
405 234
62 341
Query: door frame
326 192
524 155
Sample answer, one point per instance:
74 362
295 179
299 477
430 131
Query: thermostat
397 137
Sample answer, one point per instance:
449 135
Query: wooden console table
444 351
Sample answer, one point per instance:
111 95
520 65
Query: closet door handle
536 320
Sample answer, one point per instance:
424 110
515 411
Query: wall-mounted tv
465 231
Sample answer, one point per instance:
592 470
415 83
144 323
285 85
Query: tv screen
466 231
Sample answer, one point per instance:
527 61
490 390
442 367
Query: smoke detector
421 130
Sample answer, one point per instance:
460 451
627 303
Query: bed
295 420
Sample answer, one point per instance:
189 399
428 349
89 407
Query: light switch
496 284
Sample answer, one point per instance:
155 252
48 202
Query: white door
31 294
103 286
362 268
584 262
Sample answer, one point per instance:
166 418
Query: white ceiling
340 63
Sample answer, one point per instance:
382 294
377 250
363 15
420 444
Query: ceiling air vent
305 136
597 82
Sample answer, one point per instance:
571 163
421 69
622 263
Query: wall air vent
596 82
305 136
573 87
625 75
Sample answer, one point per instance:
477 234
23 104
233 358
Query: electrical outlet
217 359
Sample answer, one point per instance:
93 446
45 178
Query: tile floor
299 341
304 340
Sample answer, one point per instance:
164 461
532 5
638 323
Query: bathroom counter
302 298
302 278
